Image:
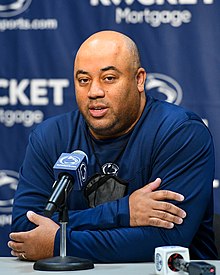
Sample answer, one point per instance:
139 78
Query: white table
13 266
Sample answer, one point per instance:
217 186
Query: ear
141 77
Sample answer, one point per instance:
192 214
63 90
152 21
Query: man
135 138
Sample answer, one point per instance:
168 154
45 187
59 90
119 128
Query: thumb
152 186
34 218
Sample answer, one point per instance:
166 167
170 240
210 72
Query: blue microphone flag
75 164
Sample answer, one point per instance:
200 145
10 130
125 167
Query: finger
152 185
17 237
160 223
165 216
169 208
167 195
17 254
16 247
35 218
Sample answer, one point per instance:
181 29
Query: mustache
97 104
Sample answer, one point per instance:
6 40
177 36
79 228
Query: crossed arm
147 208
151 217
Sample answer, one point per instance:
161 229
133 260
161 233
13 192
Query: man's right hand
150 208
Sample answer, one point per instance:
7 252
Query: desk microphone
171 260
70 172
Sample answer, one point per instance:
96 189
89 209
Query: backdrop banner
179 43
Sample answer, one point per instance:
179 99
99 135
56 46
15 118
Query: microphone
70 172
175 260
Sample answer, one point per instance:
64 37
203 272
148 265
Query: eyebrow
81 72
108 68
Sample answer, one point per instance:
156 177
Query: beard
111 127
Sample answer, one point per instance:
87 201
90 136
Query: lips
98 111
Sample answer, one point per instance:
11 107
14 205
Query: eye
109 78
83 81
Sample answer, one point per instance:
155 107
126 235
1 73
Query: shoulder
163 122
169 113
58 124
57 132
164 116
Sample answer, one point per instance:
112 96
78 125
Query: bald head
109 84
111 42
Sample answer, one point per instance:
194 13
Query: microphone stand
63 262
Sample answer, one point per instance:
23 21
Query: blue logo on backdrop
13 7
164 87
8 185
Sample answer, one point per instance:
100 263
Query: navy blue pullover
167 142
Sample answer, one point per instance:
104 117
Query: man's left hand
37 243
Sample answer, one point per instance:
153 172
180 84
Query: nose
95 90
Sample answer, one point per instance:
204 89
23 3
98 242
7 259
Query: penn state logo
69 160
158 262
83 172
110 169
8 185
9 8
164 87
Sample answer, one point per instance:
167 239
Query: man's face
108 91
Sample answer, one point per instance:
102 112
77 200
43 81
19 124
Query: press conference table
11 265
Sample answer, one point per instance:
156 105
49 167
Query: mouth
98 111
